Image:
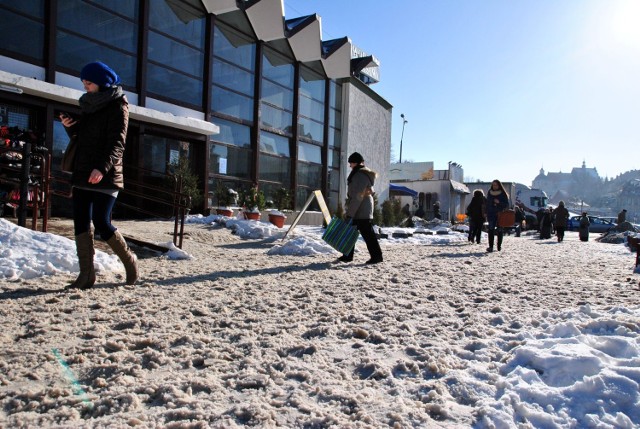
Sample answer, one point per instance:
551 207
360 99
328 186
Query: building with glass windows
245 94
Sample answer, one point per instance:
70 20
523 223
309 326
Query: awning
67 95
460 188
402 190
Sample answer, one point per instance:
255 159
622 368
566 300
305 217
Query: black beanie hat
356 158
100 74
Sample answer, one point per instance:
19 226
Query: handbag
69 155
506 218
341 235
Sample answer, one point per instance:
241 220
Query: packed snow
242 328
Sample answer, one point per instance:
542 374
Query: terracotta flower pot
252 215
277 219
224 212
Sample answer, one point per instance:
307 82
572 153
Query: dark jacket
494 207
476 210
360 193
560 214
101 137
584 223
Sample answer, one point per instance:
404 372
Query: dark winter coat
584 228
493 207
476 210
560 215
545 225
101 137
360 193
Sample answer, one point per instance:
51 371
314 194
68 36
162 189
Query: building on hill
582 183
629 199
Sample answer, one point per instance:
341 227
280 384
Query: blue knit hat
100 74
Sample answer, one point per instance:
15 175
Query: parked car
597 224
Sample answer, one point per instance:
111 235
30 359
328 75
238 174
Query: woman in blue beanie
100 133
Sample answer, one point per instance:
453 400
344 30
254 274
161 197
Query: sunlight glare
626 23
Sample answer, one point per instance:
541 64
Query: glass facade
334 140
311 119
88 31
175 68
19 19
233 74
280 120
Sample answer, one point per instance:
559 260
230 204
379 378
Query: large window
105 31
276 101
233 74
176 55
20 18
334 139
311 97
230 154
335 114
159 154
275 161
309 171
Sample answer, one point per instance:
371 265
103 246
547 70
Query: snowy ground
241 329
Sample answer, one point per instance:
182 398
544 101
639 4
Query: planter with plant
252 202
225 198
282 201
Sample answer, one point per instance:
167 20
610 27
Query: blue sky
503 87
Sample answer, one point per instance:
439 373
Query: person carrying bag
359 207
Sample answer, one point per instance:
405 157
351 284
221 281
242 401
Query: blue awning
402 190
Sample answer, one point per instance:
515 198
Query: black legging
93 206
475 231
365 226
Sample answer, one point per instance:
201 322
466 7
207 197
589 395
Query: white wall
367 120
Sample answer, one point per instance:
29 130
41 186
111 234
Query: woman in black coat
497 201
476 210
100 134
583 227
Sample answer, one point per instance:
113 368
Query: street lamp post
404 121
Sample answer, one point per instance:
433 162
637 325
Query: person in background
406 210
583 227
622 216
436 210
97 177
539 215
359 207
497 200
519 219
476 210
560 217
545 224
420 212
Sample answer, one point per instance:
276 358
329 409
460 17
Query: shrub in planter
225 198
252 202
282 199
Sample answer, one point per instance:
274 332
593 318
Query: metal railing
174 199
32 180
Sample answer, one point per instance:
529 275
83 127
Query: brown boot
128 258
85 251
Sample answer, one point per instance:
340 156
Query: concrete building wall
451 203
368 124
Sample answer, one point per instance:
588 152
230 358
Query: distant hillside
614 185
